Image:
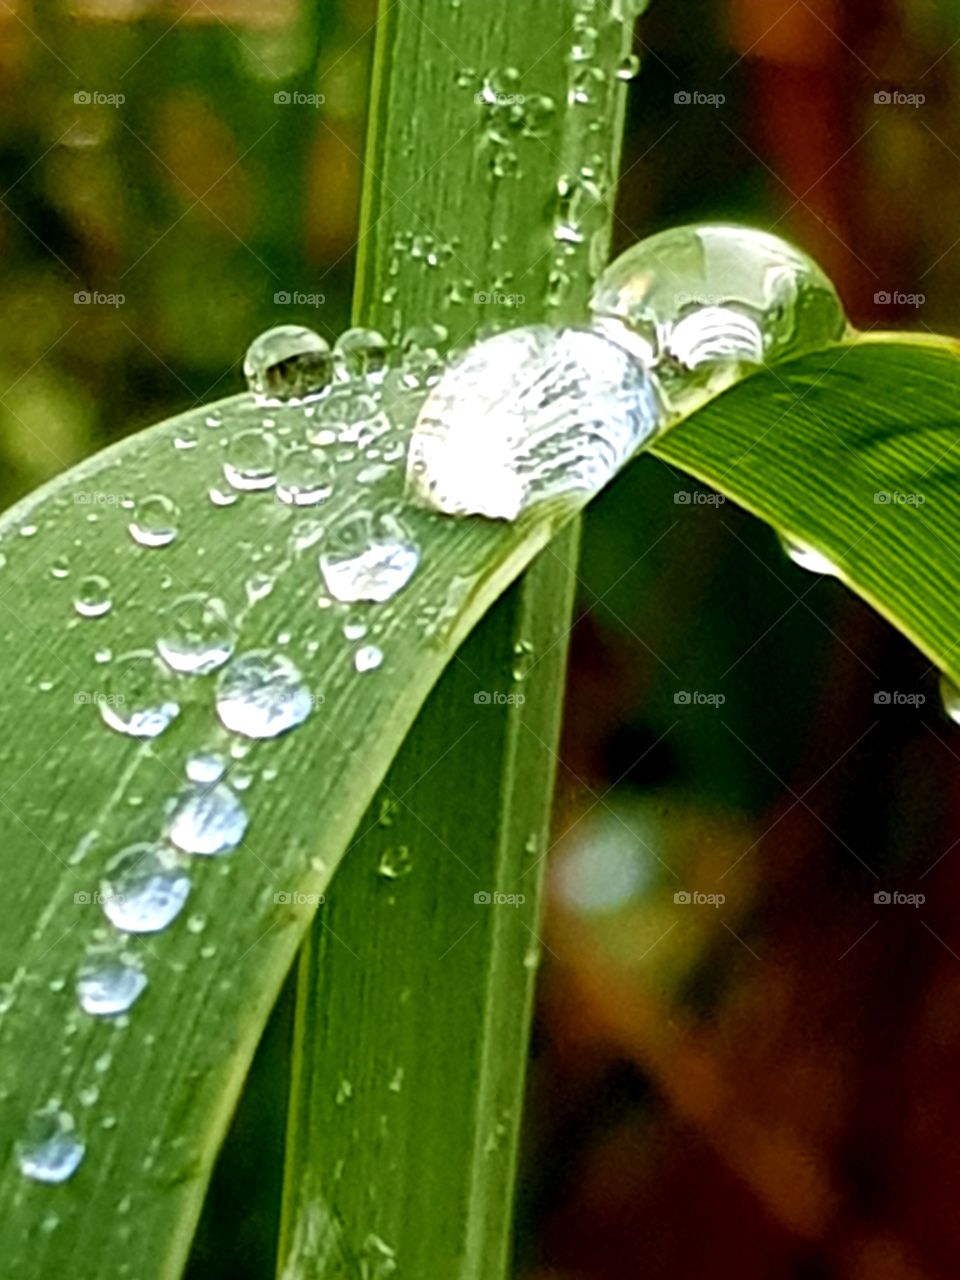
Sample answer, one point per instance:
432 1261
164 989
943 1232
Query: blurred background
744 1062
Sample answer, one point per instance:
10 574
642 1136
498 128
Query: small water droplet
60 567
209 821
629 67
361 353
139 701
144 889
93 596
50 1151
371 557
262 694
110 989
950 698
808 558
355 627
198 636
368 658
154 522
289 363
251 460
206 766
395 862
304 477
259 585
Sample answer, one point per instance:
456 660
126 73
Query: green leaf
853 452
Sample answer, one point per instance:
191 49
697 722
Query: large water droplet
139 701
154 521
808 558
144 889
50 1151
703 304
361 353
288 363
251 460
526 416
262 694
198 636
93 596
110 988
371 557
209 821
304 477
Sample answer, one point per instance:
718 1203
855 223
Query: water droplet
93 597
206 766
144 889
529 415
251 460
807 558
361 353
703 304
198 636
50 1151
259 585
304 477
368 658
139 700
289 363
154 522
262 694
395 862
221 499
214 419
209 821
60 567
110 989
950 698
629 67
355 627
371 557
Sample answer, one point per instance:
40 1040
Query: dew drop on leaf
144 889
110 989
154 522
262 694
288 363
361 353
139 700
93 596
371 556
210 821
251 460
368 658
50 1150
198 635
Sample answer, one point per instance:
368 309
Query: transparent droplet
347 417
288 363
198 635
60 567
629 67
186 439
154 522
259 585
208 820
355 627
361 353
251 460
950 698
110 989
808 558
50 1150
206 767
304 477
526 416
139 700
262 694
93 596
368 658
369 557
395 863
144 889
704 304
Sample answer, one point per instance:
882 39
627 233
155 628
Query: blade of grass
415 998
